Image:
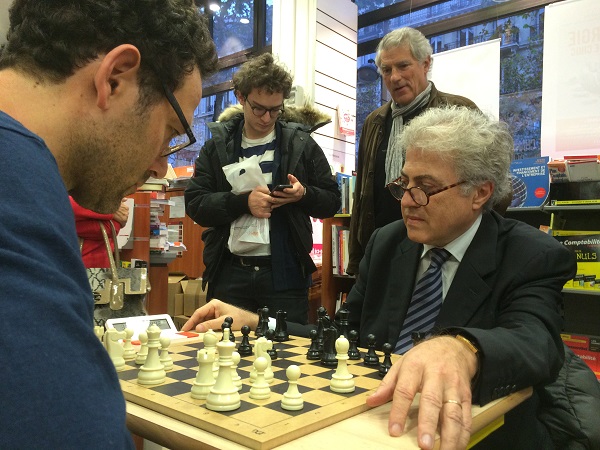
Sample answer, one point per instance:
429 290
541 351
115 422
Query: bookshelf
332 285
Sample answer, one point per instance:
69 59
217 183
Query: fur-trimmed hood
308 116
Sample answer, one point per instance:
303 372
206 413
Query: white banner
571 83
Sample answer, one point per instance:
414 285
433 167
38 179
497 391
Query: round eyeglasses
260 111
397 188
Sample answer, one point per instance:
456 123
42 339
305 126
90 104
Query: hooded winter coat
210 203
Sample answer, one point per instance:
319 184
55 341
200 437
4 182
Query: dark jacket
362 221
210 203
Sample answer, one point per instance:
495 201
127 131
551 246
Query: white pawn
152 372
114 347
210 340
224 396
128 349
260 387
143 352
165 358
261 346
342 380
204 379
292 398
235 377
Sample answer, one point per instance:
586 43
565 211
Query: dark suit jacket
506 296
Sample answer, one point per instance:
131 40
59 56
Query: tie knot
439 256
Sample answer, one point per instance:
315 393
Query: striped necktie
426 301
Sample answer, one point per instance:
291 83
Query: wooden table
176 434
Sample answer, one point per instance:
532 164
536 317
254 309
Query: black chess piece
224 325
371 359
321 314
245 349
384 367
314 353
328 356
281 332
263 322
344 326
272 351
229 320
353 352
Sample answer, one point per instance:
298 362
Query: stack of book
575 168
346 184
339 249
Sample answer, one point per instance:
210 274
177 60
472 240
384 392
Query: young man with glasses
91 94
488 312
276 272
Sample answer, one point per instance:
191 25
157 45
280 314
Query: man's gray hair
419 45
480 148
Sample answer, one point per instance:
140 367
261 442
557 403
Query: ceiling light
244 21
214 7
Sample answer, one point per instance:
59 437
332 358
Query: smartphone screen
281 187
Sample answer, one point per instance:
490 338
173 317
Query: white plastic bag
247 232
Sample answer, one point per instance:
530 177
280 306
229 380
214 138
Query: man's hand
289 195
260 202
212 315
440 369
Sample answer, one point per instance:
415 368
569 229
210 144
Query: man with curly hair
91 94
275 272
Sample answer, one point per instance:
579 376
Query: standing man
403 58
277 271
493 325
91 94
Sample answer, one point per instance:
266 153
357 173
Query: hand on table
212 315
440 369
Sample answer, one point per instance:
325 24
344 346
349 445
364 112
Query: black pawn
384 367
229 320
223 326
353 352
281 333
321 314
371 359
314 353
343 322
263 322
245 349
272 352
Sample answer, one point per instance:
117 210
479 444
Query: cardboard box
583 169
175 288
180 320
587 348
558 171
193 295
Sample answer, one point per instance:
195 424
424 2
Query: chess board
258 424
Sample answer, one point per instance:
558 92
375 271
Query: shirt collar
458 247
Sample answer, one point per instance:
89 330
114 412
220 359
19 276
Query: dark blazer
506 296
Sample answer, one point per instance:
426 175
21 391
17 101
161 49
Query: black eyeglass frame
279 110
404 189
186 126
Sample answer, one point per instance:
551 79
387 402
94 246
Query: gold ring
456 402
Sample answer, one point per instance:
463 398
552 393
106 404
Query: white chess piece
99 332
115 348
152 372
235 377
260 348
128 348
292 398
204 379
143 352
210 340
165 357
224 395
260 387
342 381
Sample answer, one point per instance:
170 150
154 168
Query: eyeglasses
191 139
420 197
259 111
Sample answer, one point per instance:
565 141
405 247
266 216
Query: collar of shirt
457 248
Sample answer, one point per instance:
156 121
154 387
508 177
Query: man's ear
118 69
482 194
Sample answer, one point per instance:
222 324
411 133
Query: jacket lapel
469 288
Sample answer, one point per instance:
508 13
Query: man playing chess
483 291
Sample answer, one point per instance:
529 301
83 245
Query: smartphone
281 187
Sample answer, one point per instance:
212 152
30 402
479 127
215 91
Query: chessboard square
182 374
246 363
321 397
367 383
315 382
283 387
314 369
263 417
172 389
127 375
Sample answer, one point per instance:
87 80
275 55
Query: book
575 202
586 248
530 181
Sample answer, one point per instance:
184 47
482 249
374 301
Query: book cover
586 248
530 181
